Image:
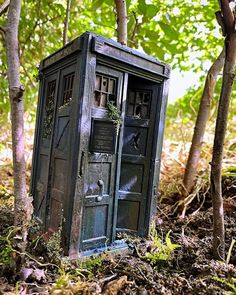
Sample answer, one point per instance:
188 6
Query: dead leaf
34 273
113 287
25 273
87 288
39 274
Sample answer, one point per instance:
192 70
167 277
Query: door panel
131 177
100 182
130 214
135 140
43 158
96 171
98 203
136 154
96 228
59 170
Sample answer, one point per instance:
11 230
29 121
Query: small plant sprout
230 283
114 114
54 248
162 250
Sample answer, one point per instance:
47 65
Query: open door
138 139
59 169
45 142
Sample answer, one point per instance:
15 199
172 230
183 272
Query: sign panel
103 137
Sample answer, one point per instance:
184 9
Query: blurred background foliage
182 33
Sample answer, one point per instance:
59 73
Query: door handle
101 190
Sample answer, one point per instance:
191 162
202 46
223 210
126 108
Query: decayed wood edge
122 20
4 7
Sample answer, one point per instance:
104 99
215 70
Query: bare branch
200 126
27 74
228 16
135 30
66 22
220 21
3 30
121 21
4 7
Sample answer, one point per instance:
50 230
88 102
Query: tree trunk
216 165
66 23
200 126
122 19
226 18
23 209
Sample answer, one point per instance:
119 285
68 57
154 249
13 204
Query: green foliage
114 114
183 112
162 250
63 280
229 172
92 263
7 251
70 277
174 31
230 283
53 245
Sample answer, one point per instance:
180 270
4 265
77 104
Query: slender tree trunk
4 6
122 19
66 23
200 126
23 210
226 18
216 165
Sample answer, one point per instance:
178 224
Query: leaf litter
189 268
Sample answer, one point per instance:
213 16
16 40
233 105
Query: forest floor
176 259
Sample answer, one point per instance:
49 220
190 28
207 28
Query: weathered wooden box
89 176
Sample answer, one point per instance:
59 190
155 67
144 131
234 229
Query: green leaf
142 7
168 30
152 34
97 3
151 10
170 47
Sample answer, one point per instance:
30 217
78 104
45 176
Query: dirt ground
189 270
186 268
